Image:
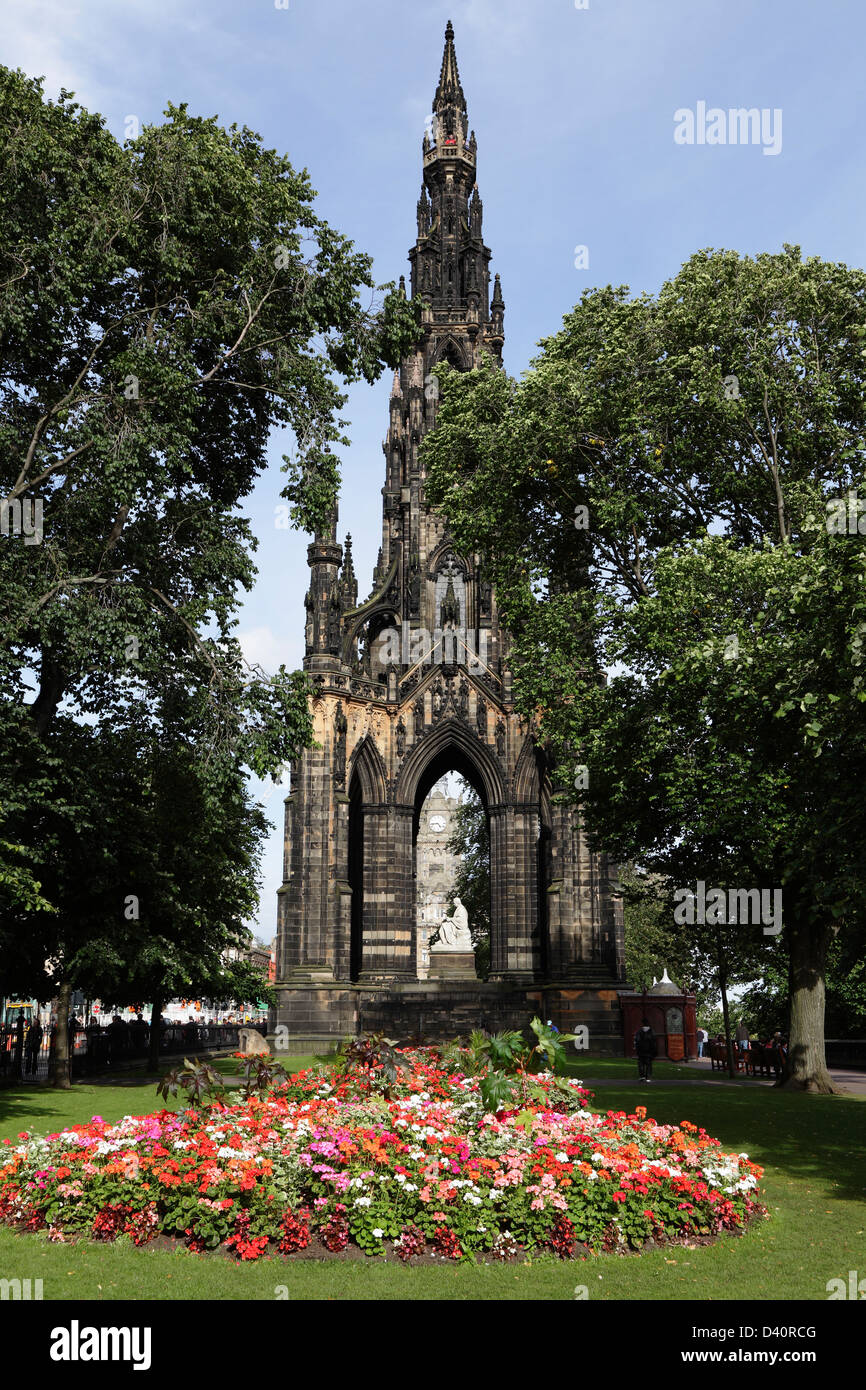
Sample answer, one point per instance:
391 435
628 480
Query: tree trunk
155 1033
61 1060
52 681
806 1066
723 990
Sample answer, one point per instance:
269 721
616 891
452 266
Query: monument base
318 1018
451 965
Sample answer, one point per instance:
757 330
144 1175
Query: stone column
388 951
513 903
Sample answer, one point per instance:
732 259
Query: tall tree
153 860
163 305
659 499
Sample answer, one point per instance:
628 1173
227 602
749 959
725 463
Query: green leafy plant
261 1075
197 1079
372 1052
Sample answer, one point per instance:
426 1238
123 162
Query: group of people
743 1041
101 1044
646 1047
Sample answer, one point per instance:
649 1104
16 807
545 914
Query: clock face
437 823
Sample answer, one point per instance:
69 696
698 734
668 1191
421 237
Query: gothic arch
450 738
447 547
527 781
375 622
366 762
452 351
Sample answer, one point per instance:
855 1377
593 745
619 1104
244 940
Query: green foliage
163 306
504 1062
371 1052
156 865
262 1074
498 1091
703 431
196 1081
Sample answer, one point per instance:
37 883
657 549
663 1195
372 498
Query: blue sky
573 110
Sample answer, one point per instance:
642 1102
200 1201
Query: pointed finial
449 92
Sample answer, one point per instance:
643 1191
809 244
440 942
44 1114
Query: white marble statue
454 934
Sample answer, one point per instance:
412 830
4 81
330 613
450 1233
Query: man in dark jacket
646 1049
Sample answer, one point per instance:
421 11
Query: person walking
646 1049
32 1046
703 1039
742 1036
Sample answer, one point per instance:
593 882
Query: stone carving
449 611
400 738
340 726
500 738
463 699
419 718
454 933
481 718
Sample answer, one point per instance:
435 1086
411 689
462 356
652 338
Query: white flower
362 1201
561 1157
378 1232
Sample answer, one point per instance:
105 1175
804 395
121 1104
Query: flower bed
412 1169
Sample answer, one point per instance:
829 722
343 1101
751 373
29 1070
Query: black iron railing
95 1050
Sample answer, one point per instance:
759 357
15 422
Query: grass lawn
812 1148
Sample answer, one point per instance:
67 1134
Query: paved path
852 1081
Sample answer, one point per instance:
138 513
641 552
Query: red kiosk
671 1014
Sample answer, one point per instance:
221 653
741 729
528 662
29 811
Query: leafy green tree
163 306
654 499
703 959
155 867
764 1004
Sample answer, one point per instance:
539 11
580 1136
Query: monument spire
449 103
449 259
416 679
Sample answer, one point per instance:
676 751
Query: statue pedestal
451 965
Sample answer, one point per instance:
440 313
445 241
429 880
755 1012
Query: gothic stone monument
412 683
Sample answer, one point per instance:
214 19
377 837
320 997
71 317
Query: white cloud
262 647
